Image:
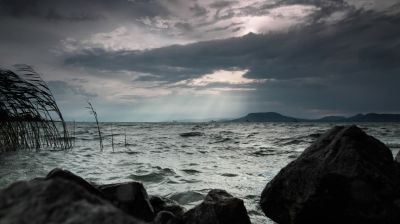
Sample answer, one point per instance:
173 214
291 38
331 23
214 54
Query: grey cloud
62 89
362 43
233 26
351 65
184 26
198 10
222 4
326 7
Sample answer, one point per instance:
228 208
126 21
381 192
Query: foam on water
238 157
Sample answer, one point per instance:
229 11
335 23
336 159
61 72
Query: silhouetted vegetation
29 115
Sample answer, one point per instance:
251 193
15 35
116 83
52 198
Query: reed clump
29 115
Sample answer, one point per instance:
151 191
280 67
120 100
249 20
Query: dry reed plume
29 115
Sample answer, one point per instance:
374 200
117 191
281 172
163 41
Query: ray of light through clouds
160 60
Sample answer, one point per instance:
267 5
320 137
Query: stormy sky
163 60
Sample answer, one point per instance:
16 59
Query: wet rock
56 201
346 176
218 207
315 135
69 176
191 134
164 204
131 197
166 217
397 158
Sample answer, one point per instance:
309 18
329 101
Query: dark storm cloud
76 10
365 42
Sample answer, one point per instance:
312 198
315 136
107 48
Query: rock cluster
65 198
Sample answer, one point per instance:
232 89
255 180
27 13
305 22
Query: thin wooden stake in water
74 133
92 111
125 137
112 137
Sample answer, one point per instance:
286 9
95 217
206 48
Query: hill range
276 117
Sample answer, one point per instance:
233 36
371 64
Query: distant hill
331 119
266 117
373 117
276 117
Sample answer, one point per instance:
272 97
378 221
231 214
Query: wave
187 197
157 176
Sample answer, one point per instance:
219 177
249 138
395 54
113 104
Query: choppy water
238 157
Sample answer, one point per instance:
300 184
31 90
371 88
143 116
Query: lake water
238 157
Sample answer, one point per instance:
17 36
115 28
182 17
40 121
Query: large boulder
218 207
56 201
69 176
131 197
346 176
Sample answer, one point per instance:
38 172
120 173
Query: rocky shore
63 197
345 176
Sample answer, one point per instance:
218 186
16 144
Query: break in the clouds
152 60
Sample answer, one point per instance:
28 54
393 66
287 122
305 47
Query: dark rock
69 176
397 158
56 201
346 176
131 197
191 134
315 135
165 217
218 207
164 204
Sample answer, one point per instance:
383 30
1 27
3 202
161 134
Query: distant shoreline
271 117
